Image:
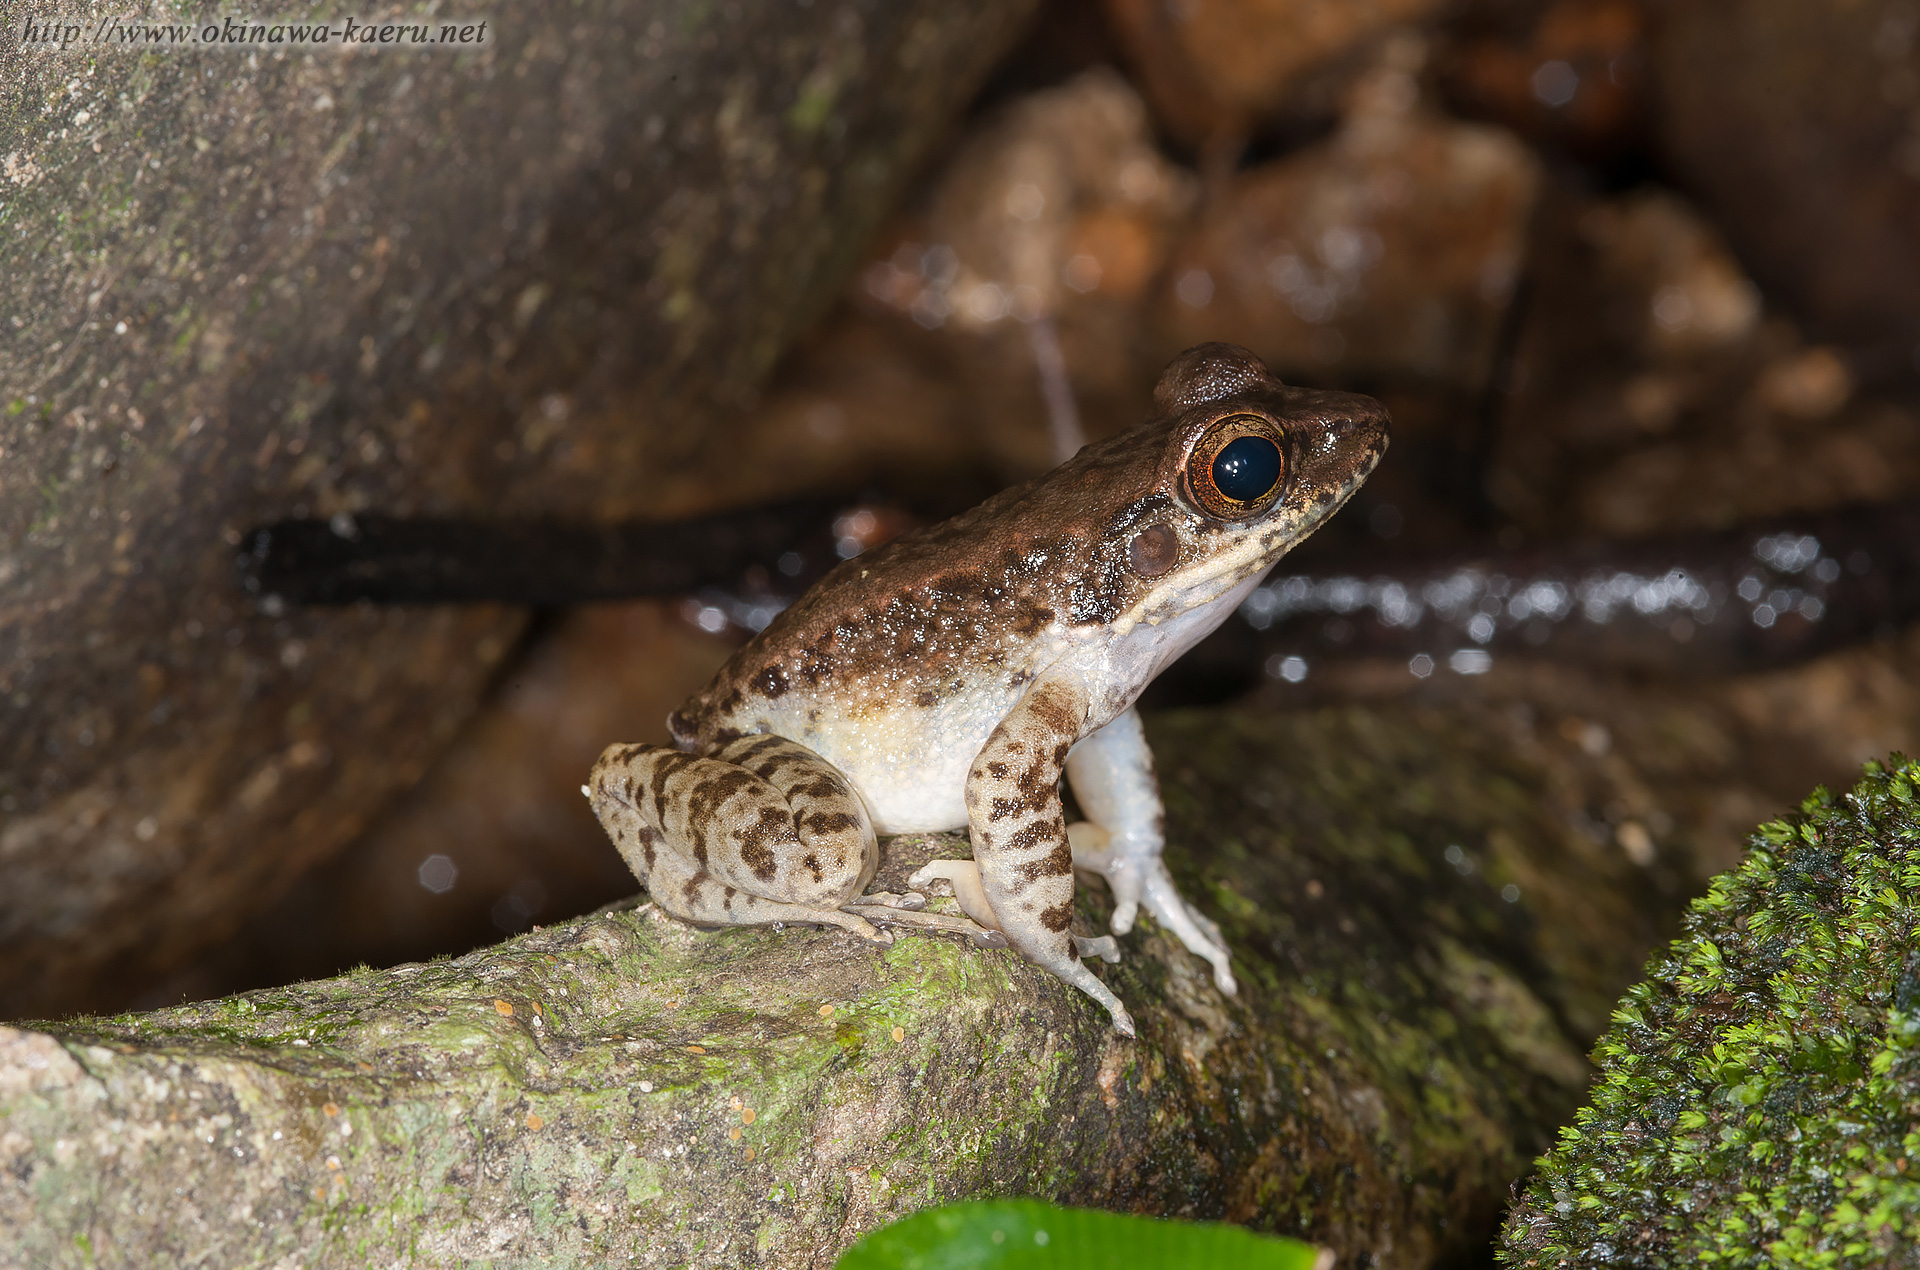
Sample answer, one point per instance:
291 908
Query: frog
952 678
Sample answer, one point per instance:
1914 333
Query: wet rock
535 277
1424 946
1796 125
1390 251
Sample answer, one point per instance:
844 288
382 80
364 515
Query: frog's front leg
1113 780
762 830
1020 835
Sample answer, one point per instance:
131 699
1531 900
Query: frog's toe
965 877
1192 928
1105 947
1124 915
909 902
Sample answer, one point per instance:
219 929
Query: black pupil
1246 468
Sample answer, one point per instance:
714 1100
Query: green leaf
1022 1234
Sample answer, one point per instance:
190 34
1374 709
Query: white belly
910 765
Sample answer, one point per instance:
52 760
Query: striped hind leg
718 844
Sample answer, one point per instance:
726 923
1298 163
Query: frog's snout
1356 433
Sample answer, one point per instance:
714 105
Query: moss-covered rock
1759 1099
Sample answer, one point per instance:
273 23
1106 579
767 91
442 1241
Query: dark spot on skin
665 766
726 901
757 748
812 865
1131 515
818 787
926 699
1033 835
1031 619
773 825
772 683
1058 917
1056 863
997 770
683 727
823 822
1020 679
692 889
1060 753
731 701
723 736
1055 714
712 793
1004 808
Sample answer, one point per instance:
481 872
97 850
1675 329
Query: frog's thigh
1020 837
645 796
839 852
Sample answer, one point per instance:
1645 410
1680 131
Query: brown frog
950 678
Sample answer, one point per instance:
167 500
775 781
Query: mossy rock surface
1405 911
1759 1098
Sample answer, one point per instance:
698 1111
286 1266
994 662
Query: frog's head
1244 467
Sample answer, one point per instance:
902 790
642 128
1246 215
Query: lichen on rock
1759 1092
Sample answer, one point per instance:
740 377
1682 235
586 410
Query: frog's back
940 620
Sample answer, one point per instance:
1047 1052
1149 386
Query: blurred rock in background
1651 390
532 278
1798 126
1386 253
1217 71
1570 77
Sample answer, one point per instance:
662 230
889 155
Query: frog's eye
1237 468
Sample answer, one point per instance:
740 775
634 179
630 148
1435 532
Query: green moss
1760 1091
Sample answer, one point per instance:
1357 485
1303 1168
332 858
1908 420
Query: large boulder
530 277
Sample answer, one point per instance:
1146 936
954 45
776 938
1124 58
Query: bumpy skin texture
949 676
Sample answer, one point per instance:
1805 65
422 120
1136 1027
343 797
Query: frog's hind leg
839 850
716 845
